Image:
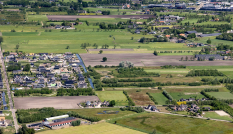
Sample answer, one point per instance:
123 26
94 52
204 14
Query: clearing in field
101 128
99 112
171 124
118 96
65 102
221 95
215 115
222 113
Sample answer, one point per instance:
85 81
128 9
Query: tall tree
1 39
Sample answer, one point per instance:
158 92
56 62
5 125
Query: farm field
160 98
178 96
93 112
214 115
140 97
145 60
118 96
66 102
100 128
172 124
221 95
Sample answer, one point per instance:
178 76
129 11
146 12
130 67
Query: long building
62 123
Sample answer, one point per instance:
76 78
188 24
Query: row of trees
166 94
160 39
172 66
211 90
135 80
32 91
208 96
152 98
224 47
135 72
14 66
75 92
209 72
77 115
130 101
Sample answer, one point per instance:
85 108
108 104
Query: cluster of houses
57 71
98 104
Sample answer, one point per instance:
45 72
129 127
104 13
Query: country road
9 93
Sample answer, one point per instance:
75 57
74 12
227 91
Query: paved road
9 94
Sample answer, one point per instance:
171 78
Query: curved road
9 93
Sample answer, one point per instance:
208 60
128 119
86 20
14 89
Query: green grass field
214 115
221 95
180 95
168 71
171 124
160 98
118 96
93 112
100 128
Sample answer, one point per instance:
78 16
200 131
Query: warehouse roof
207 35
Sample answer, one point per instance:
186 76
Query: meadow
214 115
118 96
178 96
171 124
34 39
221 95
100 128
93 112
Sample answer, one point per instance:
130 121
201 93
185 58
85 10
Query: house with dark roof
56 67
50 75
82 85
39 75
69 84
81 77
190 32
208 35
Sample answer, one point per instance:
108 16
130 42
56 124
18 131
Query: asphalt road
9 93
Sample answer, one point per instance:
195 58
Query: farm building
208 56
207 35
61 123
56 117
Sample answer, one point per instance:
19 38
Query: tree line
166 94
160 39
77 115
209 72
172 66
75 92
27 92
134 72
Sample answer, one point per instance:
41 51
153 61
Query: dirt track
74 17
67 102
146 60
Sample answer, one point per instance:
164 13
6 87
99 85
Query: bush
135 109
76 123
165 93
152 98
130 101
